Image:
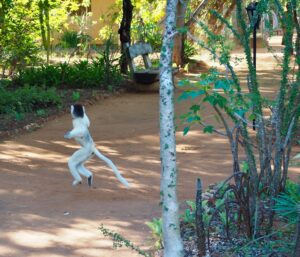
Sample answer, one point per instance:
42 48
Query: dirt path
42 215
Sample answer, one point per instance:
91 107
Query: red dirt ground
42 215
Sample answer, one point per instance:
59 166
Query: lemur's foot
90 180
76 182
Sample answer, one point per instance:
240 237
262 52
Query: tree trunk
173 246
179 38
45 26
124 32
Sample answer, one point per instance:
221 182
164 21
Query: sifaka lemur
81 134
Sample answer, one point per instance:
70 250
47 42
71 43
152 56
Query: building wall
99 7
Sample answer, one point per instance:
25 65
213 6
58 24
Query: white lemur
81 134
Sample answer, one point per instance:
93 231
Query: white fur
81 134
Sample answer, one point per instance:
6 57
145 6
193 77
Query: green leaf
245 166
191 94
252 116
208 129
241 112
193 118
186 130
183 82
211 99
195 108
222 84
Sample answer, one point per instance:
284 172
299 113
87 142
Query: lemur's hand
67 135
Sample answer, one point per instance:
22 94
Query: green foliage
41 112
212 89
109 62
188 216
25 26
145 26
288 203
100 73
26 99
149 32
120 241
75 96
75 41
18 47
69 39
156 228
189 50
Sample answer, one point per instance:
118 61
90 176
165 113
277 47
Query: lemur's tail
112 166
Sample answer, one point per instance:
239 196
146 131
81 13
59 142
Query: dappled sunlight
16 192
31 239
26 153
107 149
7 251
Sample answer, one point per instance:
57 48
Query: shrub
27 99
69 39
101 73
156 228
189 50
74 40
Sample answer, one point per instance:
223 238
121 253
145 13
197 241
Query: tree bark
179 38
173 246
124 32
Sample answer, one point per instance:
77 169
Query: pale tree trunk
171 230
179 38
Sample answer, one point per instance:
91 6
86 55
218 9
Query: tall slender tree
44 8
180 37
124 32
173 246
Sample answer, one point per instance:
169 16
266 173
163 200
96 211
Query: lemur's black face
77 111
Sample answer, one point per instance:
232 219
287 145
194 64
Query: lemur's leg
84 171
76 159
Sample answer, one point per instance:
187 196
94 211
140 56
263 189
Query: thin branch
200 7
245 121
289 133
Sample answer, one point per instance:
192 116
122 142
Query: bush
69 39
27 99
73 39
98 74
149 32
189 50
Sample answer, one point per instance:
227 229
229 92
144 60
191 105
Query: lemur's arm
79 128
86 120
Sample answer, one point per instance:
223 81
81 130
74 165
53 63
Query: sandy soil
42 215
